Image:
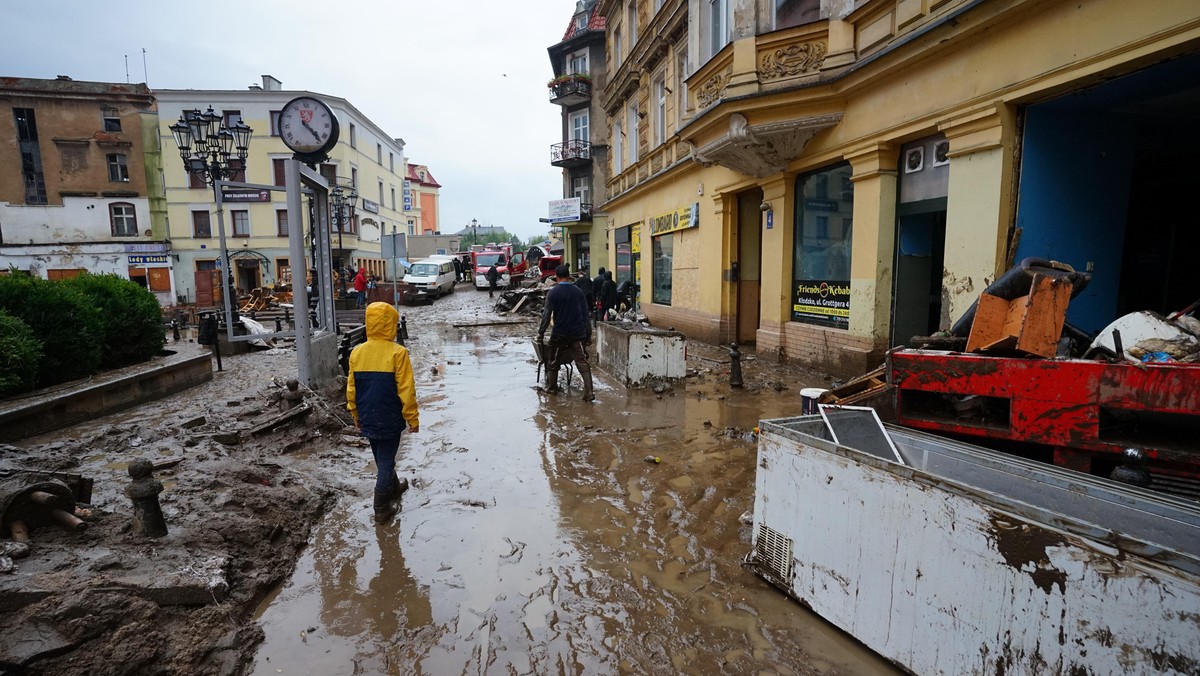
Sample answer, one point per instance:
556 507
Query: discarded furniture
1029 324
28 502
638 355
969 561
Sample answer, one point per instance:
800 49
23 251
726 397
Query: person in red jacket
360 287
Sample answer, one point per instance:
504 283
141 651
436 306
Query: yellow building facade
860 171
365 158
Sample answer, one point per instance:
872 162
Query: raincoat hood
381 322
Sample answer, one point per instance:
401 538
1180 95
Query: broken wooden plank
281 420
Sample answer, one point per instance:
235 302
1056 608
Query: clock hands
314 131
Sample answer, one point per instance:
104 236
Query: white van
429 278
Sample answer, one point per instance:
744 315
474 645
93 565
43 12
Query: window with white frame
118 171
660 108
632 120
577 63
379 153
392 162
393 188
123 218
581 21
581 187
618 145
353 136
617 47
578 122
354 177
716 26
241 222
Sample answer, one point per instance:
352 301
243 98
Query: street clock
309 128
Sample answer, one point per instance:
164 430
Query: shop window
201 224
660 271
822 248
123 219
627 241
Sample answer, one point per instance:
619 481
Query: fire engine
510 265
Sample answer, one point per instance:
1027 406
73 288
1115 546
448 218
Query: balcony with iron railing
569 90
573 153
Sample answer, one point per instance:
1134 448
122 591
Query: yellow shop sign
679 219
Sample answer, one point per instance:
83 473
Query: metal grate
774 552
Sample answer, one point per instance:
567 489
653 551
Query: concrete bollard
148 520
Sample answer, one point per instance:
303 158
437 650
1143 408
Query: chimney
270 84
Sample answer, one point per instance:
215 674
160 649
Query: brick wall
833 351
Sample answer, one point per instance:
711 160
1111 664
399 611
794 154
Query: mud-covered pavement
536 538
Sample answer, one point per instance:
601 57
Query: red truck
510 265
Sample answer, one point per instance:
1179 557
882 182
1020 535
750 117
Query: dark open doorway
747 265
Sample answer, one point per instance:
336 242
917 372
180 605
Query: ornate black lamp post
474 231
212 149
343 210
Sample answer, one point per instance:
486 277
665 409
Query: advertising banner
566 210
679 219
822 301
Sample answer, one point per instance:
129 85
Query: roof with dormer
595 23
414 175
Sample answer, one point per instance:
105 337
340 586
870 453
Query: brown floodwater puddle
536 538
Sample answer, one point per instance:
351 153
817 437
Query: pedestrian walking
597 293
360 288
566 307
493 276
382 398
608 297
585 285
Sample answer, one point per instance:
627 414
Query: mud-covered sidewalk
536 537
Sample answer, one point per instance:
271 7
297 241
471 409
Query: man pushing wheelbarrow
566 307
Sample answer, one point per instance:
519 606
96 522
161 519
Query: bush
62 318
131 328
20 354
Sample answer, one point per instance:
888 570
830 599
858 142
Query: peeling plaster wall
79 219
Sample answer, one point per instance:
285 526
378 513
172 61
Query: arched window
123 219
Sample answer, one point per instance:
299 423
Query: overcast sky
463 83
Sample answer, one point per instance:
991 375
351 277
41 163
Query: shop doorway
746 271
1106 181
924 182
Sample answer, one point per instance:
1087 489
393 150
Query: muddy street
537 538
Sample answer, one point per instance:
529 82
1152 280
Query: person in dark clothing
626 292
597 293
572 333
457 269
493 276
608 297
585 285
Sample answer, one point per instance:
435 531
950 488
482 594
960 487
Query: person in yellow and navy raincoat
383 400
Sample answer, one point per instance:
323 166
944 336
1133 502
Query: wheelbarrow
544 354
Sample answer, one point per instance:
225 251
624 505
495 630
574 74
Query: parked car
429 278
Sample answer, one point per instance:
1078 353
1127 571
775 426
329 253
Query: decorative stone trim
712 88
792 60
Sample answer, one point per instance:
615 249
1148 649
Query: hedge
20 355
130 327
62 318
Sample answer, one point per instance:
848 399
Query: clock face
308 126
